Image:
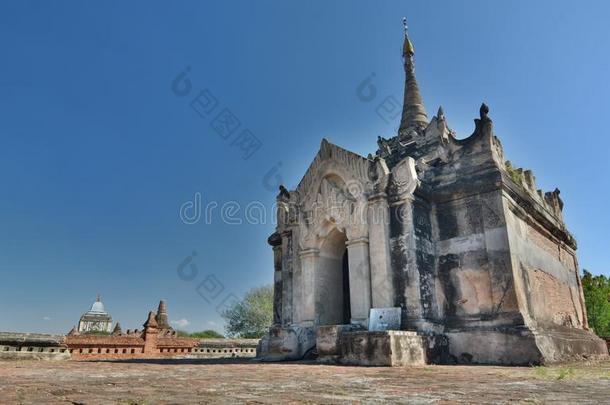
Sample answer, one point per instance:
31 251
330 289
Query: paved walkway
200 381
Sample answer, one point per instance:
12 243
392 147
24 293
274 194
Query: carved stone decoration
483 111
282 214
275 239
337 205
384 147
555 202
379 174
404 178
283 192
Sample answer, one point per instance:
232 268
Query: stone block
387 348
512 346
286 343
563 344
328 341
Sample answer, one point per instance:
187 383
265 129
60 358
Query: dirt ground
243 381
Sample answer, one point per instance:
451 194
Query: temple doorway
347 313
332 279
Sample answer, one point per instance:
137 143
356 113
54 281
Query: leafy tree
597 299
252 316
205 334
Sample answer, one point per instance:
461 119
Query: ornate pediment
334 193
332 159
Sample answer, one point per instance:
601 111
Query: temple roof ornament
98 306
407 47
117 329
151 322
413 112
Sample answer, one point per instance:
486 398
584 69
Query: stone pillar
403 242
359 280
411 295
404 214
305 303
382 286
287 265
275 241
277 285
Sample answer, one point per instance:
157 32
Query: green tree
252 316
205 334
597 299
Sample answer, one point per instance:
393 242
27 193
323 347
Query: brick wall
126 346
94 347
105 347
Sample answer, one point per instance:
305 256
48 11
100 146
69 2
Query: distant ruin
156 340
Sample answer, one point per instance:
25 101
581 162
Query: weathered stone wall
474 261
549 286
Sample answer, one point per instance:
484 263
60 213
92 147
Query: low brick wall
94 347
224 348
126 346
90 347
32 346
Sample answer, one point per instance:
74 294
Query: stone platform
512 346
521 346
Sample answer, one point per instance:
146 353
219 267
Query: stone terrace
242 381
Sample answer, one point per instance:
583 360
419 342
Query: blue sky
97 153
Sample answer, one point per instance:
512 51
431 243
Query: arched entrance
332 280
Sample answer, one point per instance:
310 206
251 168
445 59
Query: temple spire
413 111
117 330
161 317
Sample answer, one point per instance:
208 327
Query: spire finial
98 299
413 111
407 48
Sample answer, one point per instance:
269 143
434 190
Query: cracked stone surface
242 381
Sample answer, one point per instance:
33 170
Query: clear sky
98 152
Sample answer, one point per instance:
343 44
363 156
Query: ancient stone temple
96 319
433 250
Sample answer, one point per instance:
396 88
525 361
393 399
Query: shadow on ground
186 361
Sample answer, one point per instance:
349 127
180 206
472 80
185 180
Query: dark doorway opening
347 312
